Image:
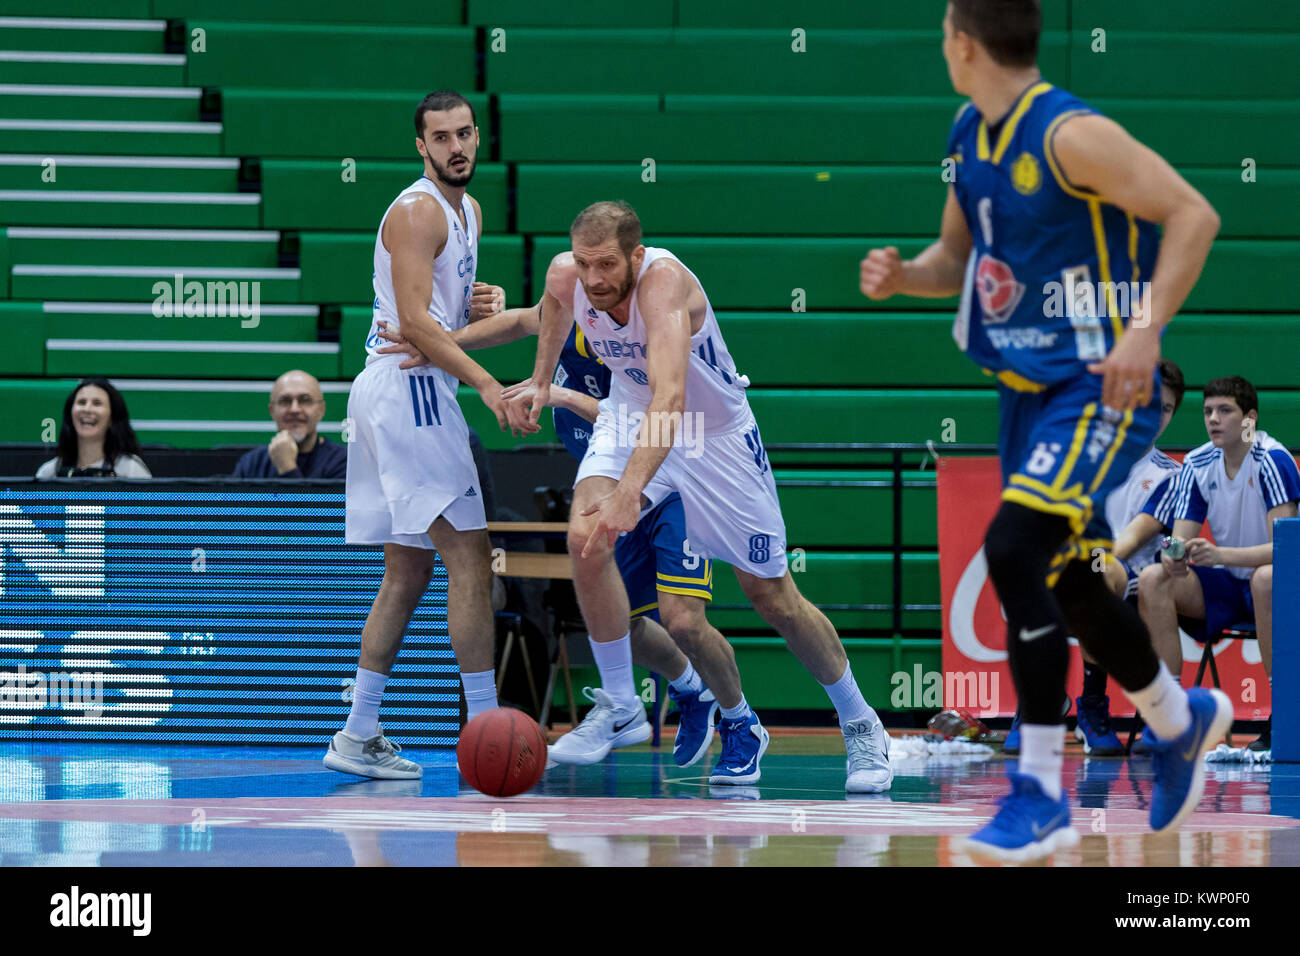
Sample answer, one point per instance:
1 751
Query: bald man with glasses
297 450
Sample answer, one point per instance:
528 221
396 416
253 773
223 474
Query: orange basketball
502 752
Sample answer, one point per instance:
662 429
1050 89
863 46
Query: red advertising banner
975 632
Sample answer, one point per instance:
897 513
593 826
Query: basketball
502 752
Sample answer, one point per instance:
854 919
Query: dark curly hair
120 439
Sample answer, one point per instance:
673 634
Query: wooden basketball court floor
111 805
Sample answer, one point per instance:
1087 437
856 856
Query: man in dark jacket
297 451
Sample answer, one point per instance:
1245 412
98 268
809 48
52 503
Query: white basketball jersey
714 389
1236 509
1130 499
453 274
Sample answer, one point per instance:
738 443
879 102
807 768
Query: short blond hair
602 221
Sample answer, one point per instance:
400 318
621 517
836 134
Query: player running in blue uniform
1052 211
654 559
1131 511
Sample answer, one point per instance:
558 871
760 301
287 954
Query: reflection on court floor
111 805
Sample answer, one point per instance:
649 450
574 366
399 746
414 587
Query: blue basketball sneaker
695 732
1179 764
1011 746
1094 729
744 741
1030 825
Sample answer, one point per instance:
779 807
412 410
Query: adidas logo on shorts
471 493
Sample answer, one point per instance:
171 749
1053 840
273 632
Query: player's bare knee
1261 583
775 603
685 626
1154 585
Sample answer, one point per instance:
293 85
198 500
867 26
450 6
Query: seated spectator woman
96 439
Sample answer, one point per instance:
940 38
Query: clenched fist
881 273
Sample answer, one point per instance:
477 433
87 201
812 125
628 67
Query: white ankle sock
480 692
734 713
1042 755
688 682
1163 705
614 660
848 700
363 719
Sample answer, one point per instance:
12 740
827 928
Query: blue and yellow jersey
581 370
1056 270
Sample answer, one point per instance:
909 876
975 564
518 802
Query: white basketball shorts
728 492
408 458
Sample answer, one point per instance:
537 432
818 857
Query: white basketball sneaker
375 757
869 770
606 726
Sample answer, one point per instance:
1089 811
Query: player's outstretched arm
937 272
416 232
1096 154
500 329
580 403
555 318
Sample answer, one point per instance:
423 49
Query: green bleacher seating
831 578
810 200
833 14
1235 66
212 247
332 57
312 194
334 124
834 62
739 200
188 174
136 208
233 358
338 266
761 273
688 128
1186 16
34 51
406 12
162 104
575 13
37 33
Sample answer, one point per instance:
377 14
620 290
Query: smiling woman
96 439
